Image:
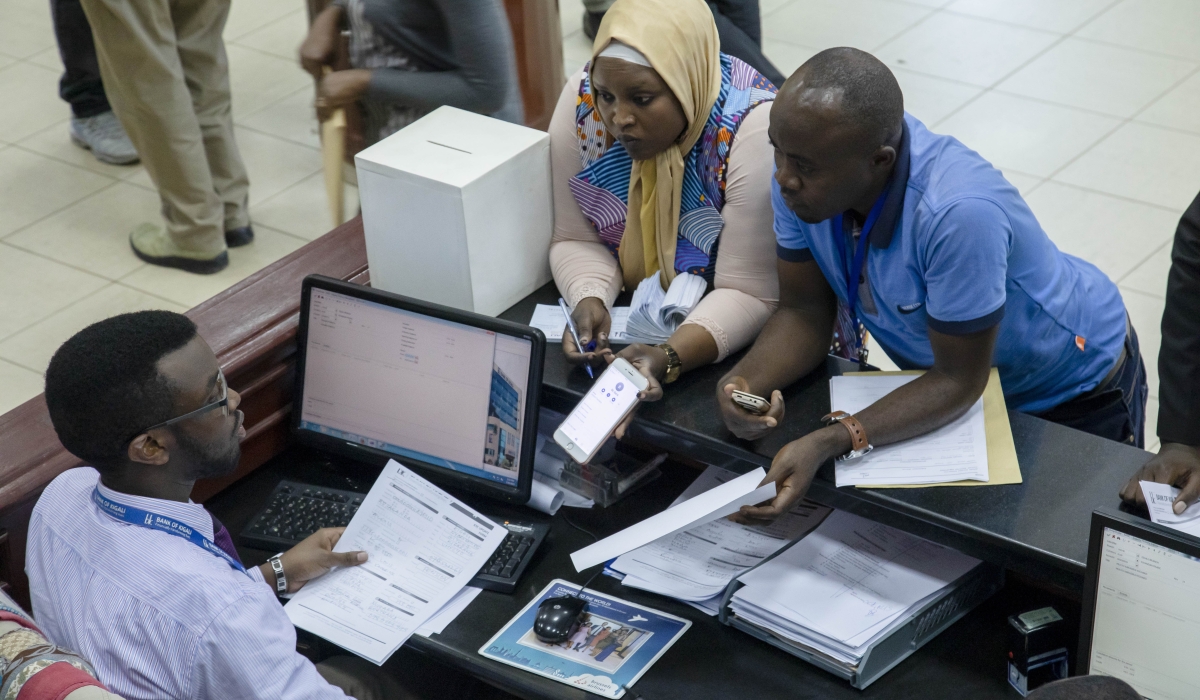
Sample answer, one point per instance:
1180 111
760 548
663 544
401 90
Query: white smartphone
751 402
609 400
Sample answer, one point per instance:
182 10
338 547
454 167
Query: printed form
423 545
954 452
698 564
1160 501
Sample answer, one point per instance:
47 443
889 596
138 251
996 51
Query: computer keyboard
295 511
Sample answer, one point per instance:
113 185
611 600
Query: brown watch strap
858 435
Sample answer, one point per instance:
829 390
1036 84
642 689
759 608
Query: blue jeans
1117 408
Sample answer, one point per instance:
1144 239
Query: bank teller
158 613
950 271
663 120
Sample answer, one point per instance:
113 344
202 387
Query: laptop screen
447 394
1146 623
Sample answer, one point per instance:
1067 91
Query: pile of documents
696 565
654 314
957 451
424 546
846 585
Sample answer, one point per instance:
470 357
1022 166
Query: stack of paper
551 321
424 546
954 452
847 584
696 565
654 314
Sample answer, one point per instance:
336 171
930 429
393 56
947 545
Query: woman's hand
651 361
321 43
593 322
339 89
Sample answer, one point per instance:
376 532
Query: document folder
923 624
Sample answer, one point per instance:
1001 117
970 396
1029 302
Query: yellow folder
1001 451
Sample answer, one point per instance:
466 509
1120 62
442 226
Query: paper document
1159 500
717 503
951 453
551 321
846 583
697 564
442 618
655 314
424 546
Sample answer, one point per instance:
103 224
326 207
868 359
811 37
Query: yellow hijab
679 39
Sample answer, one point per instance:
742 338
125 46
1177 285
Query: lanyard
154 521
860 259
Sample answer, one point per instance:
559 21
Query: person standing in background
409 57
739 24
1178 460
164 67
93 124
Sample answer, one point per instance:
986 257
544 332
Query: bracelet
674 366
280 577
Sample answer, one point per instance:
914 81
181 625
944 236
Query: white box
457 210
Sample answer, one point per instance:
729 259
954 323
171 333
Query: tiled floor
1089 106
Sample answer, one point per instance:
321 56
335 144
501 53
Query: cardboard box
457 210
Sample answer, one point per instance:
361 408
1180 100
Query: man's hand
1175 464
317 50
793 469
339 89
652 363
743 423
593 322
313 557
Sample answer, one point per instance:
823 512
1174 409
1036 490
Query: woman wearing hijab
661 164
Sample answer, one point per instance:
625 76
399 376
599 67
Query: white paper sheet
953 452
550 320
424 546
716 503
544 496
438 623
851 575
698 564
1159 500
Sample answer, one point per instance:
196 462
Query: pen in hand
575 334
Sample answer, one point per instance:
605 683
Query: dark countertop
1038 528
711 661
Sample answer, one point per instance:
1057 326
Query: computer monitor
449 393
1141 606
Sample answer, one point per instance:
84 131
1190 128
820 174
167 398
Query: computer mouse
557 618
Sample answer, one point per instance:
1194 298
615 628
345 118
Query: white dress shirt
157 616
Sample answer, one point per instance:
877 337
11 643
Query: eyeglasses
222 404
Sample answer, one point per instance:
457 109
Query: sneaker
104 136
238 237
152 244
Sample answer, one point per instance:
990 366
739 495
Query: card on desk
615 644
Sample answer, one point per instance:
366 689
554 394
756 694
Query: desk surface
1039 527
710 660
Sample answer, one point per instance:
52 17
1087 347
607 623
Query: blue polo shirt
956 249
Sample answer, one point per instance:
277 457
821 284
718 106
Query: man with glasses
124 567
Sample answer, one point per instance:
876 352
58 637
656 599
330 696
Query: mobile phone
605 405
750 402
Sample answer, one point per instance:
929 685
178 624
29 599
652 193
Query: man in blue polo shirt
951 272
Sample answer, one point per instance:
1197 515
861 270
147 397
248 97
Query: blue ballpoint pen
575 334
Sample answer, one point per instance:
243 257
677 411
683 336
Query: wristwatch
674 366
859 447
280 577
